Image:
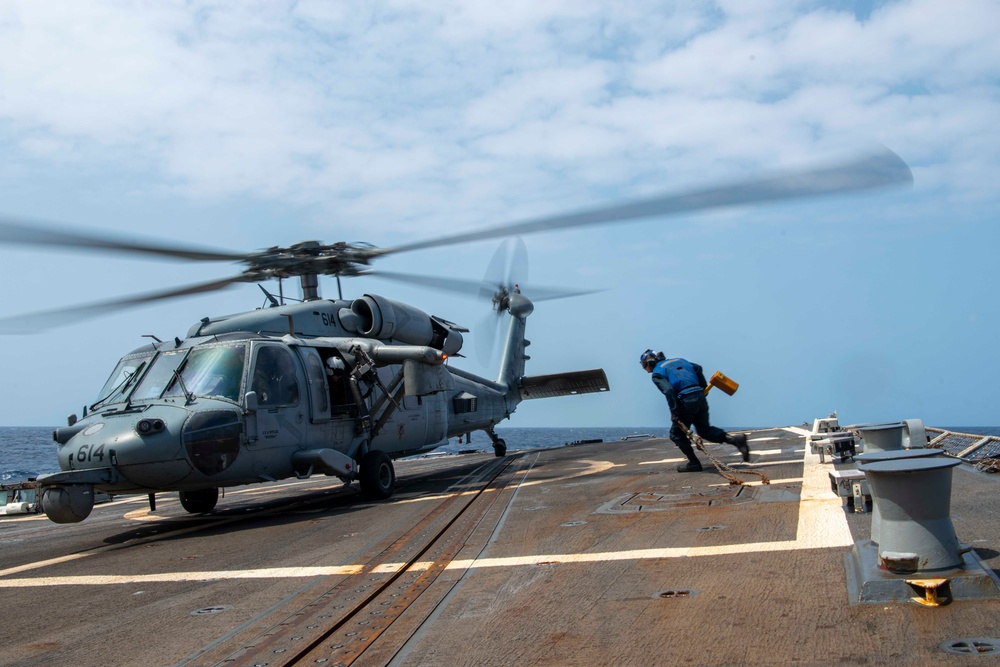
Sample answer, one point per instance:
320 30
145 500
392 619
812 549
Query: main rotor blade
474 287
882 169
517 269
34 322
37 233
457 285
537 293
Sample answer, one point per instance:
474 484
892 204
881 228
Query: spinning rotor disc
309 259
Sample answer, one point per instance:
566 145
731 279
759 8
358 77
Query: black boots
740 441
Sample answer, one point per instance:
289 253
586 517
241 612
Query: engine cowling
453 342
375 316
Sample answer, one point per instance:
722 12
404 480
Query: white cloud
405 119
311 101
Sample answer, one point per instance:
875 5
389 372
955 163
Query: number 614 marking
90 453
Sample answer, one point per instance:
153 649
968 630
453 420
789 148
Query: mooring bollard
912 498
881 437
892 455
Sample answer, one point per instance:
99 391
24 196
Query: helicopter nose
145 449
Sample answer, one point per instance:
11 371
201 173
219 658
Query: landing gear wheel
199 501
377 476
499 446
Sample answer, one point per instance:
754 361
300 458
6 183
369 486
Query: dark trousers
693 409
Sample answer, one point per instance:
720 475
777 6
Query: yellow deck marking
593 467
435 496
143 515
43 563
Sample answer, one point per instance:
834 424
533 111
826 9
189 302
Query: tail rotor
509 262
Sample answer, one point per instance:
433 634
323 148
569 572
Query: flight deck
599 553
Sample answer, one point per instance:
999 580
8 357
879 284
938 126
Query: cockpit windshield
206 371
122 379
211 371
159 376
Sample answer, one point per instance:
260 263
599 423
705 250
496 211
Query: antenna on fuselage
270 297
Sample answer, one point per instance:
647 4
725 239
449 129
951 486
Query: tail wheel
377 476
500 447
199 501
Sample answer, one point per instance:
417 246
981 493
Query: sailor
683 383
338 384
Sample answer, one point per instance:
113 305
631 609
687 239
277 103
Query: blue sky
252 124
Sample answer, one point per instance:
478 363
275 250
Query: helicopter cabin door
332 413
282 404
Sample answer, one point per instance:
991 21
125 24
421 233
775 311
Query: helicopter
337 387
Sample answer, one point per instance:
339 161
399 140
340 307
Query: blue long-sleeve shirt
663 384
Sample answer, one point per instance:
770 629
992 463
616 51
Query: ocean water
26 451
29 451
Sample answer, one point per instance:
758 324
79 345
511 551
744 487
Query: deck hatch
676 593
971 646
218 609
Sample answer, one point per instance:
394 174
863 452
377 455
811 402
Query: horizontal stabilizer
564 384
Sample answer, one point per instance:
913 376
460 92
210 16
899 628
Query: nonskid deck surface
594 554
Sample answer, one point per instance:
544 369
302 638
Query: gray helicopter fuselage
312 389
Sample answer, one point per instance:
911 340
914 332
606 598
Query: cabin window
338 377
319 395
274 377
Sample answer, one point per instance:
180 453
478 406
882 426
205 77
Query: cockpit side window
274 377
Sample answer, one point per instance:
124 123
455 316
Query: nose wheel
199 501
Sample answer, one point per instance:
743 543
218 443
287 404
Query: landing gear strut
499 446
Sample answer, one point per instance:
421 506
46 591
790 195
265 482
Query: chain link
720 467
